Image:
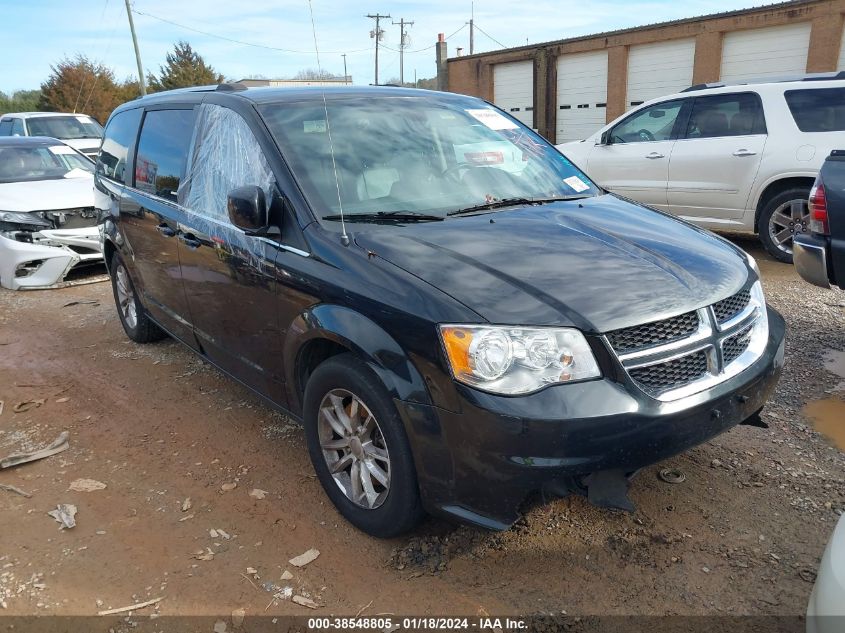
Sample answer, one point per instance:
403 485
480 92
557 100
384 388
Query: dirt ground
742 534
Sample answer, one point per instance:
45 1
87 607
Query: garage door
656 70
581 95
513 89
776 51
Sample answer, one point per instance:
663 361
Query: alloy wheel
788 220
125 297
354 448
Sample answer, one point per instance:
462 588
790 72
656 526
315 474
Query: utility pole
402 43
137 52
376 33
345 76
472 29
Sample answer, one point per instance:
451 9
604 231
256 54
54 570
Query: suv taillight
818 209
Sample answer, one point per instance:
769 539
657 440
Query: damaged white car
48 225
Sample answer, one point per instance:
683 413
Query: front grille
672 374
728 308
648 334
734 346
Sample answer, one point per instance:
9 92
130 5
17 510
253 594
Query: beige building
569 88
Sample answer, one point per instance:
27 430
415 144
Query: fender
360 335
760 186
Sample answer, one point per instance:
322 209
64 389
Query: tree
20 101
184 68
80 85
311 73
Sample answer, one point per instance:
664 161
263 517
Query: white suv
740 158
79 131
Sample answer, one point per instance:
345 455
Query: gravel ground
742 534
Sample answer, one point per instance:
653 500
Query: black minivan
455 312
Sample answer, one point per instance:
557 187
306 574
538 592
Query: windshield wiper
511 202
387 216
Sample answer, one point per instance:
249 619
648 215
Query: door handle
165 230
654 155
744 152
189 240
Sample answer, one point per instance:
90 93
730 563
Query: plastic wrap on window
224 155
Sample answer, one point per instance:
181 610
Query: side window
225 155
162 151
818 109
6 127
120 133
654 123
17 127
726 115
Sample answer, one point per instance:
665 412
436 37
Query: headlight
514 360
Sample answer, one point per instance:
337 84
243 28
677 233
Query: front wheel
359 449
786 215
134 319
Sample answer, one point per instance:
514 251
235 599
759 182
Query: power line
243 43
427 48
490 36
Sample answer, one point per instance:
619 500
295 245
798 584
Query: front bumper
46 261
810 256
479 464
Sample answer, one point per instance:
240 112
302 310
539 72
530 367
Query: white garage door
581 95
775 51
656 70
513 89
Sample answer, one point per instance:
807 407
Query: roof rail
769 80
231 87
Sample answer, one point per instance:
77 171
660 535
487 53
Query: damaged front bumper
42 259
479 464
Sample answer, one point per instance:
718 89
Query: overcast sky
37 33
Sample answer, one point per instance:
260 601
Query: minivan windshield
417 158
64 127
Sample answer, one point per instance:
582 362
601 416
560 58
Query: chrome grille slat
684 354
675 373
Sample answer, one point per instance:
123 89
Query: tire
787 207
133 317
382 448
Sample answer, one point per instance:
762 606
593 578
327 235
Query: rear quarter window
817 110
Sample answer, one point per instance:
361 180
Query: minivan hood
598 264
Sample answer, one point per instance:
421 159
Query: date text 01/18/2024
421 623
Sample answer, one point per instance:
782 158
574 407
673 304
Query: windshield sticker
61 149
492 119
576 183
314 127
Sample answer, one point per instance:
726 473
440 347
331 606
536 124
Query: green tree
80 85
20 101
184 67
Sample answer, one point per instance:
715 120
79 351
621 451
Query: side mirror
247 209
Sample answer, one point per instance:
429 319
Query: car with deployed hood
80 131
457 314
47 221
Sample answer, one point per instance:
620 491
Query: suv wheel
359 449
783 217
134 319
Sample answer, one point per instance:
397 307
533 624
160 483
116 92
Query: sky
38 33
